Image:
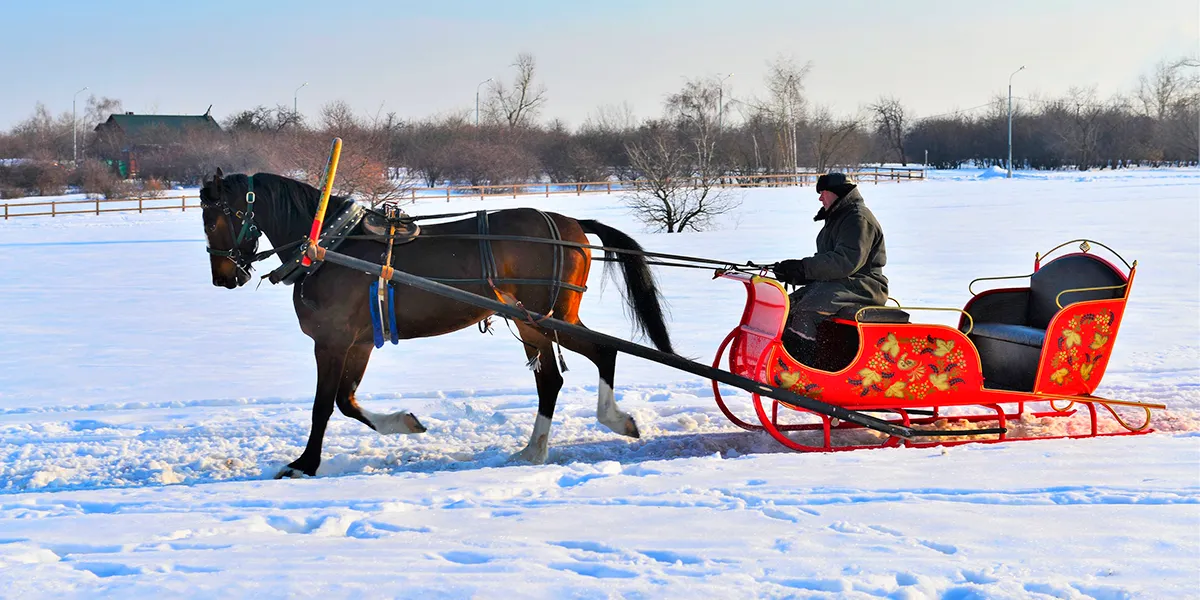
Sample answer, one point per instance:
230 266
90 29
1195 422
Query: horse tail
641 294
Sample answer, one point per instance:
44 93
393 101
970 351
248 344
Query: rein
698 262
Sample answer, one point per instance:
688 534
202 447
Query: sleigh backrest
1070 279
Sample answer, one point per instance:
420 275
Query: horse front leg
331 360
356 365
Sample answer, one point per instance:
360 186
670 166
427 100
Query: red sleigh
1021 357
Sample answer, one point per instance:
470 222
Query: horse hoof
414 425
288 473
534 454
528 457
631 429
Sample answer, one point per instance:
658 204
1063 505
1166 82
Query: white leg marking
539 443
611 416
397 422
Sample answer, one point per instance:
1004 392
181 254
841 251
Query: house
123 137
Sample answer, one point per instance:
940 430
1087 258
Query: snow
142 412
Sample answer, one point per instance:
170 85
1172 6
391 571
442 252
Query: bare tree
338 118
1078 123
786 106
611 118
1169 85
1171 96
362 170
44 136
679 166
519 105
832 140
261 118
891 123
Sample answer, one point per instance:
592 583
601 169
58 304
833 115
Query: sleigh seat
1010 325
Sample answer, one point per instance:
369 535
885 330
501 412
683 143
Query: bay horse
333 302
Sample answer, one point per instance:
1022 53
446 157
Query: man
847 269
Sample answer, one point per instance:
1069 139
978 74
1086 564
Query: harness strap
248 226
487 257
557 260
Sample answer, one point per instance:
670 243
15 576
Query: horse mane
293 203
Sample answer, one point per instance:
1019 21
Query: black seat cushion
1014 334
873 314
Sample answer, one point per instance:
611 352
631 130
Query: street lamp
721 102
1009 176
477 99
75 130
294 94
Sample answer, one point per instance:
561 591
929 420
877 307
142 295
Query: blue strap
376 321
391 308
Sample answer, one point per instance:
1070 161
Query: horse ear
219 175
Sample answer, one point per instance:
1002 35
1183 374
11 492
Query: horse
333 303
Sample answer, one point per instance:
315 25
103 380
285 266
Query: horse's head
227 205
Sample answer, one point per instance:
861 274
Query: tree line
702 134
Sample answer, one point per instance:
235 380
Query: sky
419 59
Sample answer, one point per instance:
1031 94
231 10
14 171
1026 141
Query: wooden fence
54 208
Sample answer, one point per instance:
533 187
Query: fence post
97 207
547 189
53 209
610 187
5 211
183 203
139 205
447 193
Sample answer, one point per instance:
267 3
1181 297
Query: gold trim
1108 405
773 281
1058 298
970 286
1087 241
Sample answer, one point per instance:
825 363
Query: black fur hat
837 183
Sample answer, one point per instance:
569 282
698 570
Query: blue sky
422 58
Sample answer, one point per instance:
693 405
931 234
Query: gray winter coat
847 269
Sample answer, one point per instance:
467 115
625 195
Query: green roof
135 125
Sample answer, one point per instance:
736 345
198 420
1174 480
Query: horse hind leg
607 412
549 382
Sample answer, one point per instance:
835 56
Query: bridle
249 231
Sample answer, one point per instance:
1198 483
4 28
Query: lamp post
1009 176
721 102
74 129
294 94
477 99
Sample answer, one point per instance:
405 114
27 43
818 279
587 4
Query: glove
790 272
